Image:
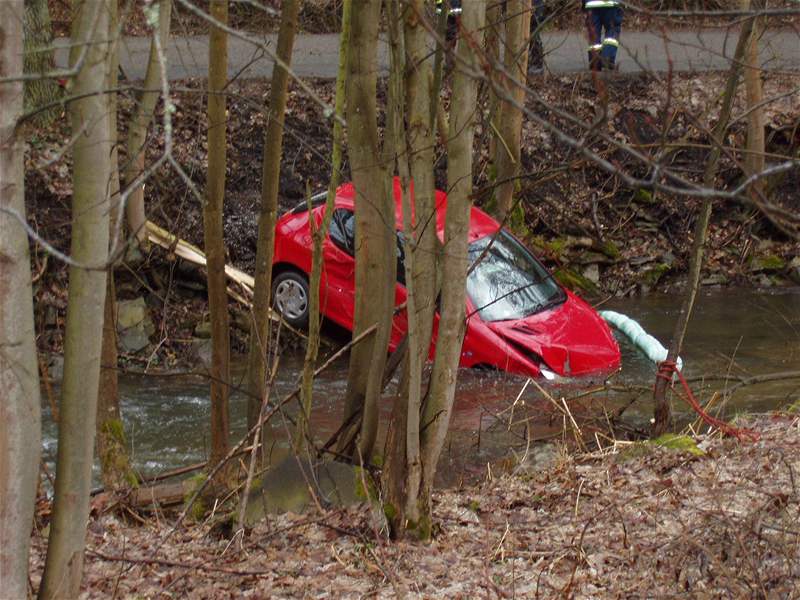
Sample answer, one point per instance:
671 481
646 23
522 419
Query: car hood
571 339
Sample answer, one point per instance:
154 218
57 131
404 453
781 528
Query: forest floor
598 236
700 516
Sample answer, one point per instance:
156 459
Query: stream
735 332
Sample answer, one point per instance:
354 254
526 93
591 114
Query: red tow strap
666 370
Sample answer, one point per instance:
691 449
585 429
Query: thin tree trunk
213 234
375 242
312 348
663 412
20 427
402 467
140 121
439 404
754 157
115 468
509 126
87 287
39 59
494 27
270 182
421 141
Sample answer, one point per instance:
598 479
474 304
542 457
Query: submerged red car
519 319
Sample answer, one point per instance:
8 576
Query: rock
134 325
714 279
592 273
203 330
200 351
287 488
794 270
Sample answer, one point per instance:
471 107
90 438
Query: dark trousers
604 25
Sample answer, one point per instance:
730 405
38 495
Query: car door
337 292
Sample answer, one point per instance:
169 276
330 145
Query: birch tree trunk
663 411
312 348
509 123
87 287
375 242
20 427
140 122
213 234
270 181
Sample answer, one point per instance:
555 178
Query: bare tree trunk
663 412
39 59
435 418
509 126
270 182
754 157
403 475
140 122
402 467
20 427
112 451
213 230
494 27
375 242
421 141
312 348
87 287
417 433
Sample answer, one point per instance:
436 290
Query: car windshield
506 281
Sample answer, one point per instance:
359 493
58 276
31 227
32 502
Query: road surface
317 55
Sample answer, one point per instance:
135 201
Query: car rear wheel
290 297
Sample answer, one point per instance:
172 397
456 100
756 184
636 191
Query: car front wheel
290 297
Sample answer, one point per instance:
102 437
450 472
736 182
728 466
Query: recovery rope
668 370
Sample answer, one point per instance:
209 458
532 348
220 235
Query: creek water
737 333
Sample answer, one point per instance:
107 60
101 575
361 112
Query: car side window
343 230
343 235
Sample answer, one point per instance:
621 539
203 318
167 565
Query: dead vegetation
703 516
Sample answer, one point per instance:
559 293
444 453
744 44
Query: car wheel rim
291 299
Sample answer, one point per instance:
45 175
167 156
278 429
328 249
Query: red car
519 319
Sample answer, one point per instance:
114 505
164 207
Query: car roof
481 224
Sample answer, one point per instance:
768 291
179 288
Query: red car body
564 336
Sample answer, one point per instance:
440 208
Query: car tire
291 298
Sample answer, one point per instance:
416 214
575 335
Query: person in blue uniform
603 22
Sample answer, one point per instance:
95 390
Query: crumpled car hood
571 339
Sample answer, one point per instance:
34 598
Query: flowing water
733 332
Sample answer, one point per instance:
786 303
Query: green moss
643 196
634 451
654 274
424 529
192 484
113 456
474 506
574 280
360 477
674 441
390 511
610 249
770 262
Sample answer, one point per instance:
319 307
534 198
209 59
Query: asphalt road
317 55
